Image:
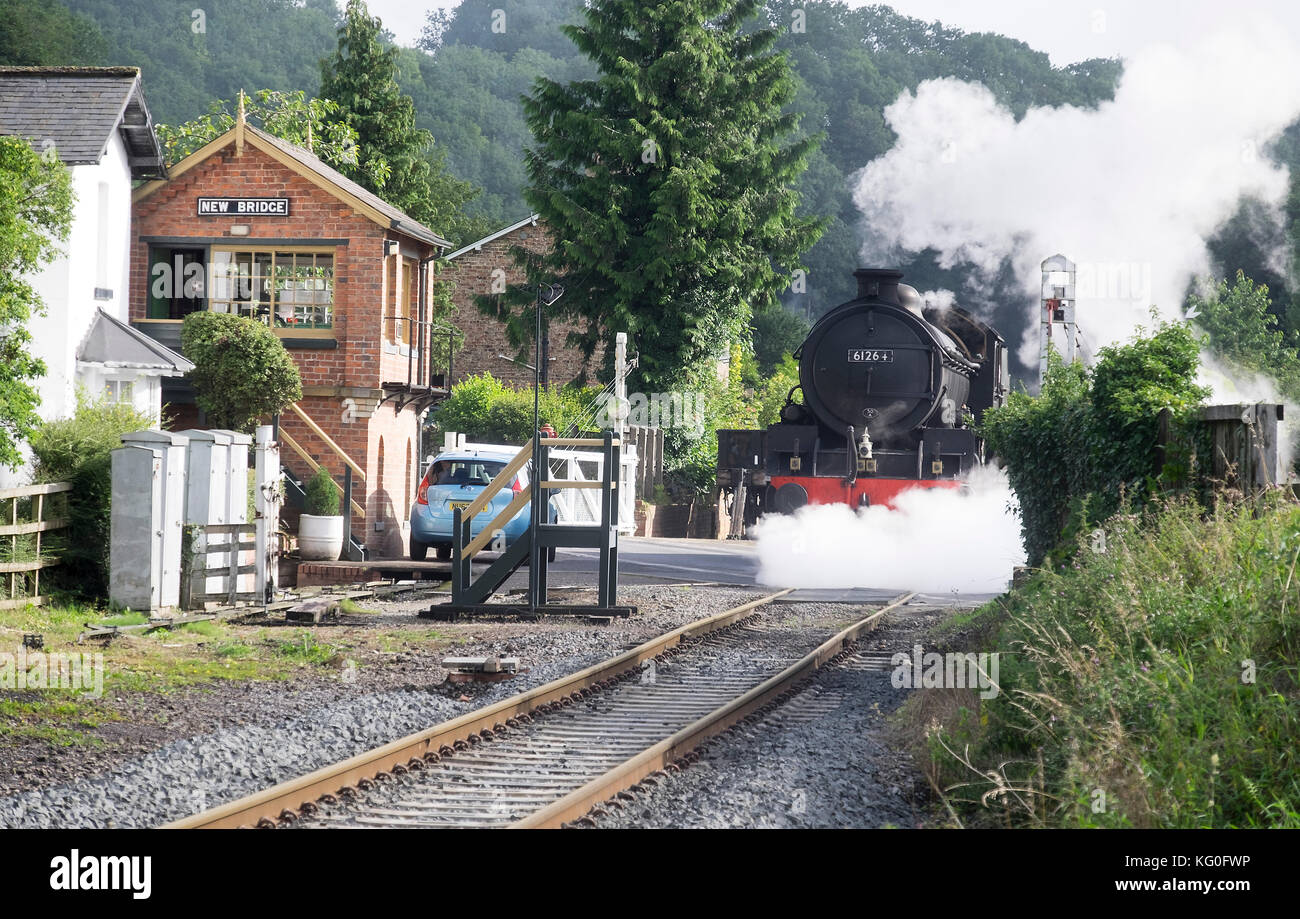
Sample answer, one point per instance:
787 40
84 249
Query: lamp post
547 294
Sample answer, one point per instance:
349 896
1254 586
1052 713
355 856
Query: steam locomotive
890 389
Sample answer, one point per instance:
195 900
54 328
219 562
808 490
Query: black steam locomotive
890 390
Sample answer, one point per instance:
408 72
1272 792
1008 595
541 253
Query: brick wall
485 338
365 294
364 280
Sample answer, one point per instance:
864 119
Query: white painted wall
146 390
97 254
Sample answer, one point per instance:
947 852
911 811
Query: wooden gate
26 557
203 582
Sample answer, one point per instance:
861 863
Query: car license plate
458 504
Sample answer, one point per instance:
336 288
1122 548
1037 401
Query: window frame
289 329
155 250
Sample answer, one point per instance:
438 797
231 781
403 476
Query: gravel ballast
778 636
332 720
820 761
824 759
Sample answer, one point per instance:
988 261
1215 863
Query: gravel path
289 731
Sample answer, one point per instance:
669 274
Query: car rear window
464 472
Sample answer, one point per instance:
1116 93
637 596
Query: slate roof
79 108
113 343
529 221
400 220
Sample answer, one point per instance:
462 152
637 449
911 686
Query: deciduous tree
35 215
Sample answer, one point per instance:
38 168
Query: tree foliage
241 373
79 450
667 181
487 410
393 158
187 59
1243 328
287 115
36 200
1089 439
777 333
472 68
41 32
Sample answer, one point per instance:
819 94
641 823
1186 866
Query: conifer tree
667 181
394 159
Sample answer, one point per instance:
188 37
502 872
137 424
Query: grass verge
1151 684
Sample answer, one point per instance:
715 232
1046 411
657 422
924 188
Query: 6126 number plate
870 356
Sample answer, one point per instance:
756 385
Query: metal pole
347 512
536 477
620 382
545 359
451 357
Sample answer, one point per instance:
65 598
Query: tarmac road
649 560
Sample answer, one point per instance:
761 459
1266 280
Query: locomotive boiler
890 390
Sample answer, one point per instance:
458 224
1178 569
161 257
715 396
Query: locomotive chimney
879 282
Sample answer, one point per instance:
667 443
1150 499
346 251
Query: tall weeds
1153 683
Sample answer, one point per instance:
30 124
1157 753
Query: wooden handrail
47 488
297 448
329 442
505 475
514 507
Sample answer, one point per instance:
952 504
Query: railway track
546 757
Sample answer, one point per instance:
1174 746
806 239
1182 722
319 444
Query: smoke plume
936 541
1130 191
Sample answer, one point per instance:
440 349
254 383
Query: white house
96 121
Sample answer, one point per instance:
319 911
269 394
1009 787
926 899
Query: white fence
582 505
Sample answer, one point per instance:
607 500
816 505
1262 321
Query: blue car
455 478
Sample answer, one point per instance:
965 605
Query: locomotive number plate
870 356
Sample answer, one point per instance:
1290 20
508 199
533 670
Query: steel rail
576 804
270 803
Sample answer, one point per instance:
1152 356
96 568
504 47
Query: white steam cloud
936 541
1129 191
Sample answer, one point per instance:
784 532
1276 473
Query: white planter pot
320 538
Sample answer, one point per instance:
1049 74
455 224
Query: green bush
1243 329
79 450
488 410
322 495
745 400
777 332
1154 676
1091 437
242 372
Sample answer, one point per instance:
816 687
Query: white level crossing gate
581 506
